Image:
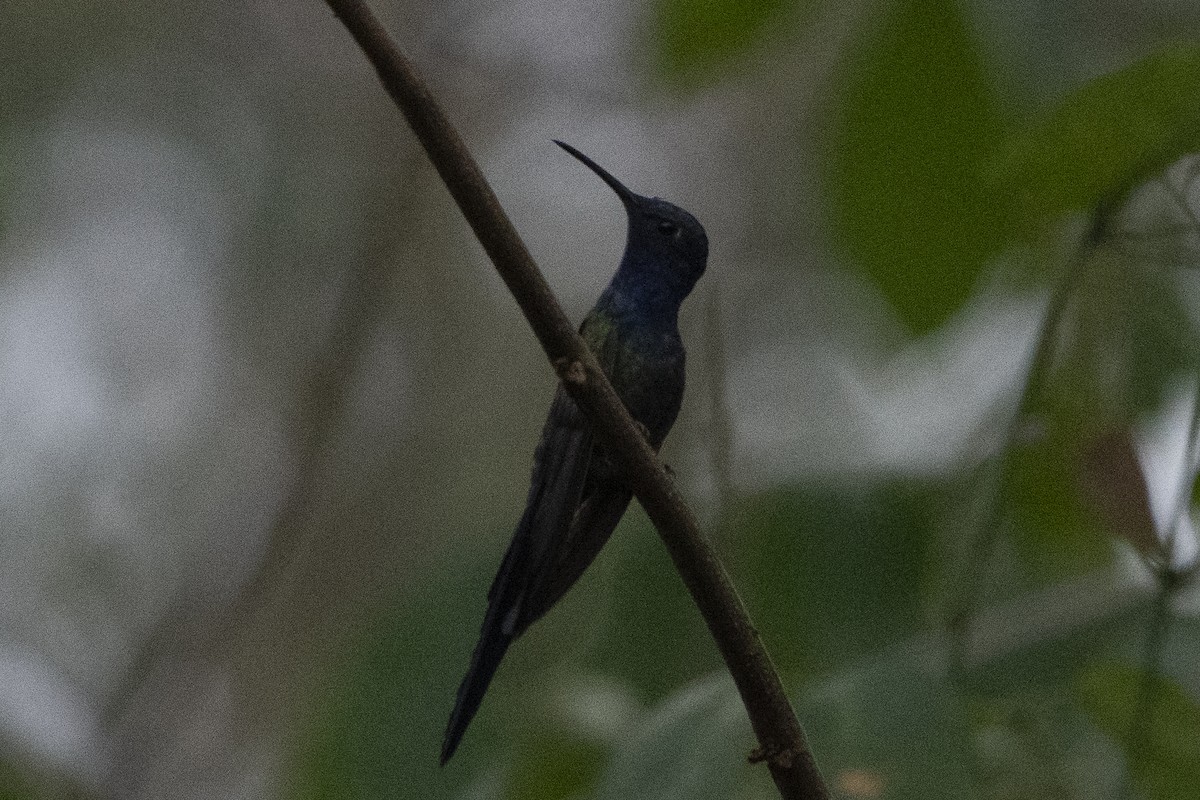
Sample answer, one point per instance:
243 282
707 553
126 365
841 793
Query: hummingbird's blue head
664 240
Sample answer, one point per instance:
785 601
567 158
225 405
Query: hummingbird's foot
758 755
668 469
783 757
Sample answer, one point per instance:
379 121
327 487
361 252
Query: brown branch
782 741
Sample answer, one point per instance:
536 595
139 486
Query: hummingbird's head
661 234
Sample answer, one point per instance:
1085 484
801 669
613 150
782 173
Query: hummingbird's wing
575 498
574 503
560 474
600 509
560 468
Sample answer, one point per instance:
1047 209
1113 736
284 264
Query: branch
782 742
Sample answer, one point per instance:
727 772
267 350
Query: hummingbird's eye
667 228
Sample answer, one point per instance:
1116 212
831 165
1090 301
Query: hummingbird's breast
645 364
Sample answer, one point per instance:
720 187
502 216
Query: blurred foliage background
268 413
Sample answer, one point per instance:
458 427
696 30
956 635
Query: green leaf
1104 137
15 784
695 36
693 745
555 763
570 729
1195 504
1057 529
1031 740
378 724
654 639
1158 333
1075 475
891 727
832 575
917 121
1154 720
1036 643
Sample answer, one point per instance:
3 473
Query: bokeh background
268 413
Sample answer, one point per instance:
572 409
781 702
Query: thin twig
1156 639
1179 197
783 743
1187 475
979 552
1170 579
315 422
721 426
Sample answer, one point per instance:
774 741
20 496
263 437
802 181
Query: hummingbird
576 496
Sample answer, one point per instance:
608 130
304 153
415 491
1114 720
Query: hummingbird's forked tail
489 651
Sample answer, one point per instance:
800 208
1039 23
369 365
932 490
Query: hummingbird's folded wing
579 500
560 468
571 509
601 508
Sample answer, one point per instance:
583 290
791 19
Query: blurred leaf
1038 641
32 29
14 784
1165 759
892 727
1029 743
569 734
1057 528
1181 653
830 576
1158 333
693 745
1104 137
1112 480
1057 533
1128 341
694 36
555 764
654 638
8 178
379 725
1195 504
1031 740
917 119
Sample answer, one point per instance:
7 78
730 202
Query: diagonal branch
783 743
